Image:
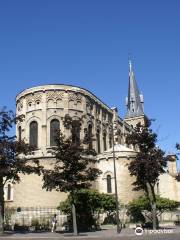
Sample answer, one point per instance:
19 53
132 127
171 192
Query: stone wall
29 192
135 120
169 187
45 103
124 180
42 104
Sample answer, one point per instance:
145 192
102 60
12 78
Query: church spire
134 101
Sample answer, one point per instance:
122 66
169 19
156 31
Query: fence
42 216
33 216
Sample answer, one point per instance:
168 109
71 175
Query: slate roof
134 100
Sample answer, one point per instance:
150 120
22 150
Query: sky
87 44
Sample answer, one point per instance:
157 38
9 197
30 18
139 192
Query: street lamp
115 183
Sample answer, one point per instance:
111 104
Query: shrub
89 203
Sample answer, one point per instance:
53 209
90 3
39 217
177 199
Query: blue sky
86 43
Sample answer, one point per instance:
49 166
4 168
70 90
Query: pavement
172 233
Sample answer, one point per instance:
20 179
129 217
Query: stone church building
45 108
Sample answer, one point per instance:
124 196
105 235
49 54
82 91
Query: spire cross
130 65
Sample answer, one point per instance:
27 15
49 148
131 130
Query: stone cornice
62 87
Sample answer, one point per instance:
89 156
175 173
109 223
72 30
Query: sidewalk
103 234
126 234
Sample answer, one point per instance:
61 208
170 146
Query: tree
88 203
149 163
178 148
13 160
74 165
108 203
139 208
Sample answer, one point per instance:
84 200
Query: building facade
45 109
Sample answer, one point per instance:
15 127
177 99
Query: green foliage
89 199
13 160
135 210
178 148
88 202
35 223
41 223
108 203
65 206
150 161
13 152
74 167
136 207
165 204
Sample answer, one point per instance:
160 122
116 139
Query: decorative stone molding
110 128
104 129
107 173
90 119
33 97
89 105
105 126
54 95
104 116
62 100
76 97
19 105
98 125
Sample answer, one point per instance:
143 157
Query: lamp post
115 183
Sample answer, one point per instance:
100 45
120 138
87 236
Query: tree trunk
152 199
74 215
74 220
1 206
154 216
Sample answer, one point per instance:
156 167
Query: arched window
90 136
104 141
109 184
54 128
33 134
158 188
19 133
110 141
9 192
98 141
76 131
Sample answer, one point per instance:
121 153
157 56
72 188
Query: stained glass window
75 132
109 184
19 133
98 141
54 128
9 192
90 136
104 141
33 135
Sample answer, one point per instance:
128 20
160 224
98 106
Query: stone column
44 122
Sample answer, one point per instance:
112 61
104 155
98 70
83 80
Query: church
45 108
